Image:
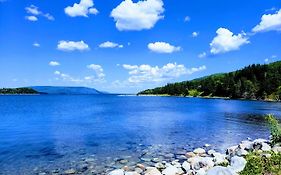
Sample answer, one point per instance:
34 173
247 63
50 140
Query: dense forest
17 91
262 82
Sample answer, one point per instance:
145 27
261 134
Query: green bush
257 164
275 129
194 93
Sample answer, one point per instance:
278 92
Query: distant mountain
252 82
66 90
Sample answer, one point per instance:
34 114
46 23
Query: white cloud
186 19
84 8
31 18
98 70
163 47
194 34
54 63
266 60
98 77
32 9
66 77
137 16
109 44
35 44
49 17
35 12
226 41
202 55
57 72
147 73
72 45
269 22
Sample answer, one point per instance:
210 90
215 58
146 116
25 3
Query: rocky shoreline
201 161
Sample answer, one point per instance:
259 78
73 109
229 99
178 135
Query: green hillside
262 82
17 91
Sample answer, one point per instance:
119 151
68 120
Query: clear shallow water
45 133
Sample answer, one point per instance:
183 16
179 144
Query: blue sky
127 46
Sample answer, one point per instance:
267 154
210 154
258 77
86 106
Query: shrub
194 92
257 164
275 129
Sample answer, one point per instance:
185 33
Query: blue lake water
52 133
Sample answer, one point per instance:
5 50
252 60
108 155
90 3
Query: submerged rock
199 151
70 171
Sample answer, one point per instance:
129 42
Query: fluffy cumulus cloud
163 47
84 8
109 44
269 22
147 73
72 45
137 16
34 13
31 18
54 63
226 41
68 78
98 70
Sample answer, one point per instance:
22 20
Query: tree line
17 91
262 82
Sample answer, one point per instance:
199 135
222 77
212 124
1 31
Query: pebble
199 151
190 154
70 171
141 166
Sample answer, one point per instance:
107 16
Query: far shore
207 97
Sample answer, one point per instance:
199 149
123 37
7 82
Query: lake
52 133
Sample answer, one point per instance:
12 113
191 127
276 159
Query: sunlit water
53 133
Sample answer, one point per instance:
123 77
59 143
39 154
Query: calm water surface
53 133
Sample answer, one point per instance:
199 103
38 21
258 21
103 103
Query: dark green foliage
17 91
224 164
253 82
275 129
258 164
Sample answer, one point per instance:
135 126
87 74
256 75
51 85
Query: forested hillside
17 91
253 82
